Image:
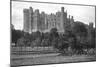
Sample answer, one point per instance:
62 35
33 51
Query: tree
53 37
53 32
15 35
80 29
92 38
81 33
23 42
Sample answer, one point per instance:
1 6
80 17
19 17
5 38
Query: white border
5 32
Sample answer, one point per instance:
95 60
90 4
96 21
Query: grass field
17 60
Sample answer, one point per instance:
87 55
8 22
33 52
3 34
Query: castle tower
71 23
26 20
91 25
46 21
71 20
62 20
66 13
36 19
90 28
42 21
30 19
62 9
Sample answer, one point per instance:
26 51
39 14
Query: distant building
36 21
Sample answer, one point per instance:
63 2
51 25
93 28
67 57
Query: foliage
79 29
74 40
23 42
16 34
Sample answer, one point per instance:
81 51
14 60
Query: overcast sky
84 14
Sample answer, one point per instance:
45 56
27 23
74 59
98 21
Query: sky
84 14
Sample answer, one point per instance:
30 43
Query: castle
36 21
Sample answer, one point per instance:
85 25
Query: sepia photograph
51 33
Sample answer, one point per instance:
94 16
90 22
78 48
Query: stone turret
90 29
62 9
30 19
36 21
71 20
26 20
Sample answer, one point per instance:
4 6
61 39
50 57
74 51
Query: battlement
42 21
26 10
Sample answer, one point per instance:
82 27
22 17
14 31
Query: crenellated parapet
34 20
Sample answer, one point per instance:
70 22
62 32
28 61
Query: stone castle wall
36 21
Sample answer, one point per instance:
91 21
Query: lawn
48 59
